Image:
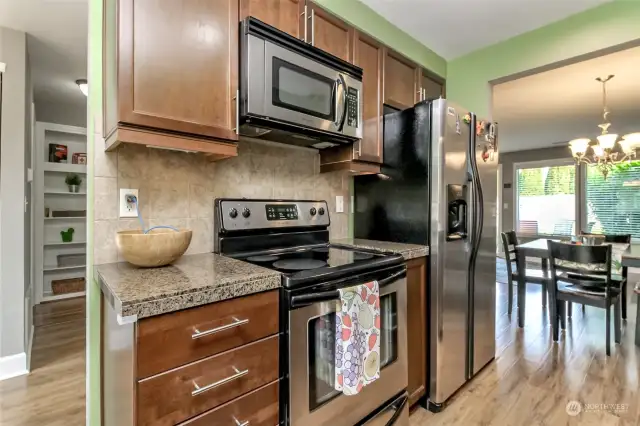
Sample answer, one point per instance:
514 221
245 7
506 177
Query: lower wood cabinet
232 372
417 328
257 408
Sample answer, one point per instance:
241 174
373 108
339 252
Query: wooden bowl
157 248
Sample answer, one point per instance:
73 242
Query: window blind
613 204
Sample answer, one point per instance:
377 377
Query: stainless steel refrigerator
438 187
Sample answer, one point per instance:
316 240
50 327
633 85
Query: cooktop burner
299 264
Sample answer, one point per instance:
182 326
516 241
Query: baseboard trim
13 366
30 347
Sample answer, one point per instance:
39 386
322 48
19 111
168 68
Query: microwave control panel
352 107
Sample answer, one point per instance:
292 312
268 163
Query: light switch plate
128 209
505 206
339 204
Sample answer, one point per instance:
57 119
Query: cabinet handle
237 98
305 22
236 323
420 95
238 423
198 390
424 94
313 27
359 152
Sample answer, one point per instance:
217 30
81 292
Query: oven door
313 399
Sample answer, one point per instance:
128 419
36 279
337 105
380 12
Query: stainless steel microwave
292 92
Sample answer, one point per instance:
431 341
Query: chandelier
607 150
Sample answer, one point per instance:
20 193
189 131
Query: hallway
54 393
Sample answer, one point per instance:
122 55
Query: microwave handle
340 82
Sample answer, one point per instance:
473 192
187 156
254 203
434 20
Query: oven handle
398 407
326 296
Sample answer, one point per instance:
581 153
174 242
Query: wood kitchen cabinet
417 328
329 33
285 15
401 81
432 86
198 366
170 74
368 54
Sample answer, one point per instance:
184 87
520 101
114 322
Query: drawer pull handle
236 323
198 390
239 423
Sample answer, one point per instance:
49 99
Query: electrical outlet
127 206
339 204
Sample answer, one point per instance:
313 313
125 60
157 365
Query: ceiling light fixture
83 85
605 152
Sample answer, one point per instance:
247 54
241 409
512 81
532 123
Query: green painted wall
599 28
94 115
364 18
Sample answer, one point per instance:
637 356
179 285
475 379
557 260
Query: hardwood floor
533 379
53 394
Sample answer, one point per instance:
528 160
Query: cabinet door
431 87
329 33
417 328
285 15
369 55
178 65
401 81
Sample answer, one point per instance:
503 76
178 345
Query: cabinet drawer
171 340
179 394
257 408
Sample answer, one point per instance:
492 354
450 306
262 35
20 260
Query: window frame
579 191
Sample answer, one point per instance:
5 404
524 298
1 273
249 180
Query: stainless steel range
292 237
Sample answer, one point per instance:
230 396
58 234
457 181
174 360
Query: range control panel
241 214
353 107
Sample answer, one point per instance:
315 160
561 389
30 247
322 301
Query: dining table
538 249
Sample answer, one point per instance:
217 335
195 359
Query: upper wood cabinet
328 32
285 15
369 55
401 83
171 73
432 86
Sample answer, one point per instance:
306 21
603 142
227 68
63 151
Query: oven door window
301 90
322 343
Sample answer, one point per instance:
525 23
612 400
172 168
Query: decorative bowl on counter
157 248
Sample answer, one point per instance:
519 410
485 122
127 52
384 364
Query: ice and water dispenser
457 212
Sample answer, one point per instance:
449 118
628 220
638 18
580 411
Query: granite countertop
408 251
191 281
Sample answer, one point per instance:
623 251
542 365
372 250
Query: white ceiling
566 103
57 45
452 28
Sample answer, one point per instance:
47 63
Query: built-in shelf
65 168
60 243
51 268
49 296
66 218
57 192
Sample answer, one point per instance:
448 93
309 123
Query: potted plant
73 181
67 236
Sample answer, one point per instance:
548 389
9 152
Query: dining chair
620 278
509 244
582 274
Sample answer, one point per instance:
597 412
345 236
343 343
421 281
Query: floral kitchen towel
357 361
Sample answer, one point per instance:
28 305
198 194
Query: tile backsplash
178 189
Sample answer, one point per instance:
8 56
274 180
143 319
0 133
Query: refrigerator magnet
458 130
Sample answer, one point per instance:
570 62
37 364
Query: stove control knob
312 211
321 211
246 213
233 213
